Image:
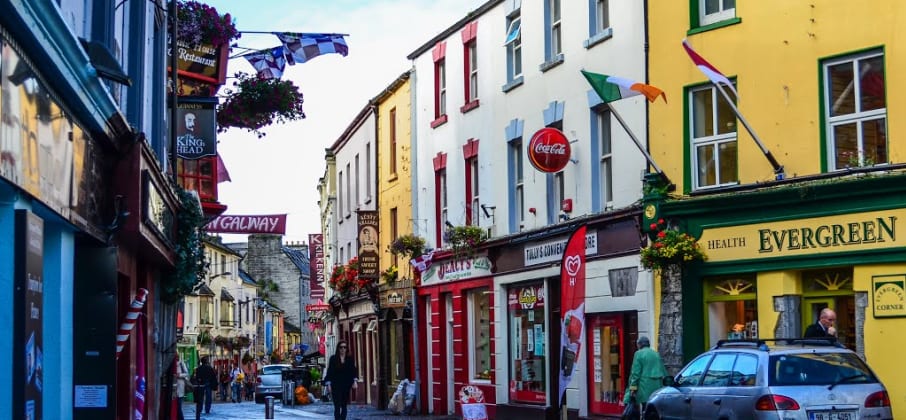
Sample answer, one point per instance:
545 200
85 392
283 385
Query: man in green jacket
648 372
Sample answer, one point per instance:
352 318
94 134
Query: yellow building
818 82
394 185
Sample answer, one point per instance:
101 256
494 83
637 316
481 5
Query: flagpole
638 144
778 168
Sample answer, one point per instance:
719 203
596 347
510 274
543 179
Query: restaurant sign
889 296
842 233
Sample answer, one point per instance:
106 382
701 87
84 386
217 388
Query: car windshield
272 370
819 369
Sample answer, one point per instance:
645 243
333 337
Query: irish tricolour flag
612 88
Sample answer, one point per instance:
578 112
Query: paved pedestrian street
318 410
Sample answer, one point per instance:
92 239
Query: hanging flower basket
465 239
255 103
670 247
202 24
408 246
391 274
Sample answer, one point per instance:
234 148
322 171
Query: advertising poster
316 265
368 244
572 304
28 331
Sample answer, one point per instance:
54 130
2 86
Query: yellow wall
884 338
774 52
770 284
395 190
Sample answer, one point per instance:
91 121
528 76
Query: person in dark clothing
824 327
342 377
205 380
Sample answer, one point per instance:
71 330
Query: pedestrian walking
236 380
342 377
180 377
205 380
647 374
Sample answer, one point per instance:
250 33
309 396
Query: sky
279 173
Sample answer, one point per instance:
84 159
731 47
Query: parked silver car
270 382
807 379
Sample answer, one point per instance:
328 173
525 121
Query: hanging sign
549 150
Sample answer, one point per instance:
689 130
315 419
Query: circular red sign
549 150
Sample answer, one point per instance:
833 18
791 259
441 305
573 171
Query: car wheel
651 413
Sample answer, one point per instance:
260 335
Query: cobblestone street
317 410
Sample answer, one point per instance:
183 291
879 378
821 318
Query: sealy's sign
275 223
820 235
549 150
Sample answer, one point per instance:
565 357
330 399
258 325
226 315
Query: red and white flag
222 174
422 262
572 305
710 71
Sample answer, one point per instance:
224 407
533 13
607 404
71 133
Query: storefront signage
317 307
316 265
197 133
28 330
553 250
202 62
889 296
843 233
368 244
457 269
549 150
157 214
529 297
273 223
395 298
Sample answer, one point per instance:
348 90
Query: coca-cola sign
549 150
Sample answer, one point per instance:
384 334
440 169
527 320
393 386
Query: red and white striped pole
126 327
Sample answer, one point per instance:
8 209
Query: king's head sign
549 150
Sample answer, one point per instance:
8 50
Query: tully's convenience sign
889 296
820 235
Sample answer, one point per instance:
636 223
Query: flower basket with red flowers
338 280
254 103
670 247
202 24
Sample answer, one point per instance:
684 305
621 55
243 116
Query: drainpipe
174 77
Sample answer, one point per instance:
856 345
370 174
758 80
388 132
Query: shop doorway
830 289
611 341
448 340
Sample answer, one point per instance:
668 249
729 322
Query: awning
204 290
225 295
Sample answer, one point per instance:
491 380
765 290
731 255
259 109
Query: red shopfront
456 299
610 338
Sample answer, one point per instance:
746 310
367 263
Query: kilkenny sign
840 233
889 296
274 223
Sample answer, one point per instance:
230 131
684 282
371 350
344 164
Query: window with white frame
713 11
368 171
602 15
358 177
474 199
472 67
513 45
518 187
392 127
349 204
856 110
606 160
441 202
559 190
556 31
479 301
440 86
340 196
206 309
713 134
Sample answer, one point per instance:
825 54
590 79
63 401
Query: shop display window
480 331
199 175
732 308
528 333
606 364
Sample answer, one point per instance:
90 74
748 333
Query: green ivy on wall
190 267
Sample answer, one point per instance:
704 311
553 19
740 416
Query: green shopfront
778 255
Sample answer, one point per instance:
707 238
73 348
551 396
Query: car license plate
832 415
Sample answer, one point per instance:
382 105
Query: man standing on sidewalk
205 379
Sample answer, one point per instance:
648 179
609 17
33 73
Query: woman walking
342 377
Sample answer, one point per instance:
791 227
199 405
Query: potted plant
199 24
254 103
670 246
391 274
465 239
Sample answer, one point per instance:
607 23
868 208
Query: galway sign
275 224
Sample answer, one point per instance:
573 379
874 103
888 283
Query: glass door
606 363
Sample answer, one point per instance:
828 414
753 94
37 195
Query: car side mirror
669 381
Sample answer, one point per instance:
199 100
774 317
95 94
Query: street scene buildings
729 165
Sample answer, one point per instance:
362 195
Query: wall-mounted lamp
488 210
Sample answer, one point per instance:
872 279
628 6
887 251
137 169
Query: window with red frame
471 72
199 175
440 196
440 88
470 153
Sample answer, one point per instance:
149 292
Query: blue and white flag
303 47
269 63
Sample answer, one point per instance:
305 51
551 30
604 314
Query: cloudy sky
279 173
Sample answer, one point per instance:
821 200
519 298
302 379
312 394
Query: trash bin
289 388
268 407
292 378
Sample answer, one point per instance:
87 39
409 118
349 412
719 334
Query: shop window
527 326
480 332
732 308
831 288
607 364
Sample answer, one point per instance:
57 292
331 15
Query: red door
606 361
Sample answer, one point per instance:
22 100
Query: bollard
268 407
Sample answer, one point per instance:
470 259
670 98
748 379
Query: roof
225 295
215 242
300 259
455 27
289 327
204 290
247 278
